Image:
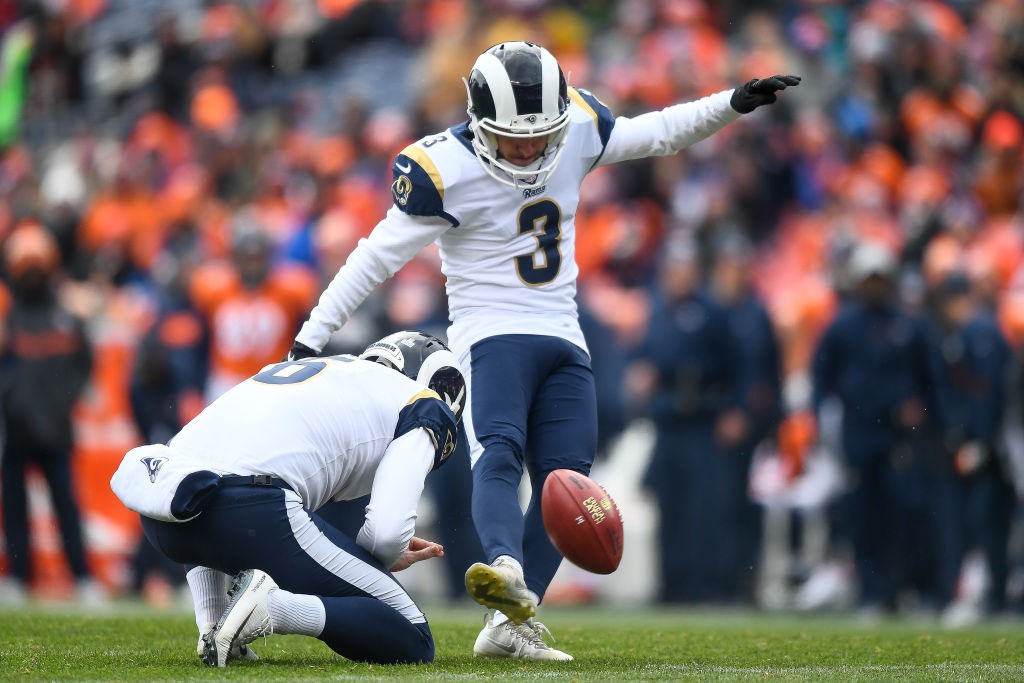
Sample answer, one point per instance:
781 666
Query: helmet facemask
517 90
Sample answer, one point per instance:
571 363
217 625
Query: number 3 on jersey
542 219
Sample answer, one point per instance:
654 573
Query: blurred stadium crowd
204 167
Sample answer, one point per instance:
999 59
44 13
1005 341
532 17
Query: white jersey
322 425
508 254
333 428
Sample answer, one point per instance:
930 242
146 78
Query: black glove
753 94
300 351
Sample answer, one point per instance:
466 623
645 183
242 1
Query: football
582 521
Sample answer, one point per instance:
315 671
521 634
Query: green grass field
130 643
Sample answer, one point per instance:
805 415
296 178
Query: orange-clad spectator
621 236
884 164
945 120
361 198
1000 179
215 108
923 185
669 68
253 308
943 255
1010 312
212 219
121 225
230 29
336 9
276 211
182 194
992 258
158 133
84 11
331 155
941 20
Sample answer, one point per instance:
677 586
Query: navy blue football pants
370 617
533 403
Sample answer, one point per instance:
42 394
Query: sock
509 560
209 589
295 613
499 618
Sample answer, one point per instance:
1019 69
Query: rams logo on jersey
401 189
449 444
153 465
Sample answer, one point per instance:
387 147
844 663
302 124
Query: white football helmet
517 89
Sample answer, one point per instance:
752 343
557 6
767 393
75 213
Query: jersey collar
462 134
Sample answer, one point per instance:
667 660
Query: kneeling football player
235 494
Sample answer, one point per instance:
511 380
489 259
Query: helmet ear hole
440 373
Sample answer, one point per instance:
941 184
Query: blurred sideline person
977 498
759 388
687 373
47 360
235 492
877 361
499 194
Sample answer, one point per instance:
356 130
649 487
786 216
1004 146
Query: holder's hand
417 551
299 351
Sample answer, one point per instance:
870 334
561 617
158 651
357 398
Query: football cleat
243 652
246 618
518 641
500 586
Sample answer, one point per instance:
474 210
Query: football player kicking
499 195
235 492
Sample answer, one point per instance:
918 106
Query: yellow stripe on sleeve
426 393
583 104
417 154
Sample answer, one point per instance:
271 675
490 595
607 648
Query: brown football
582 521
